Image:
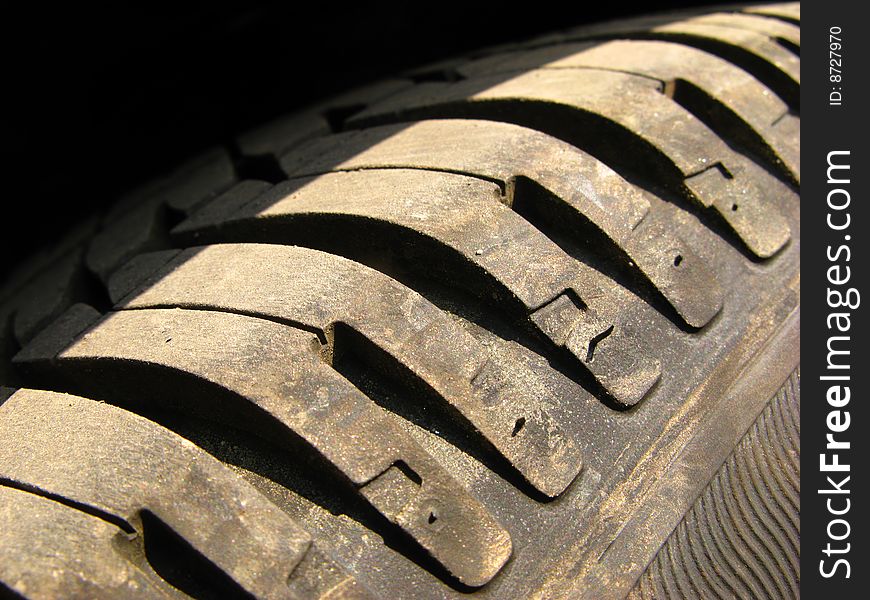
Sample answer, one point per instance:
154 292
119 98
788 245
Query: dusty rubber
520 324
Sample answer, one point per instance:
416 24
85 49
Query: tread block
741 204
320 292
140 222
49 294
136 270
604 112
463 216
231 200
760 24
730 87
39 289
49 550
35 265
270 378
762 56
120 464
595 195
188 186
787 11
282 133
199 180
142 229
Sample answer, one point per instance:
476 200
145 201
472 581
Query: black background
99 98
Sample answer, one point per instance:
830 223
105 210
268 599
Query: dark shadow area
102 97
182 566
789 45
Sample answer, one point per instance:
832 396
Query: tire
520 324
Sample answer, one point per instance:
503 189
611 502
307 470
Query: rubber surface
499 326
742 536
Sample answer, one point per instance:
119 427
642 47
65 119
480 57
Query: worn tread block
725 84
142 229
270 378
504 153
320 292
464 215
199 180
760 24
120 464
773 64
49 550
185 188
32 267
787 11
233 199
136 270
604 111
765 58
42 288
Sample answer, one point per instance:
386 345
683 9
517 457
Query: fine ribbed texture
742 536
